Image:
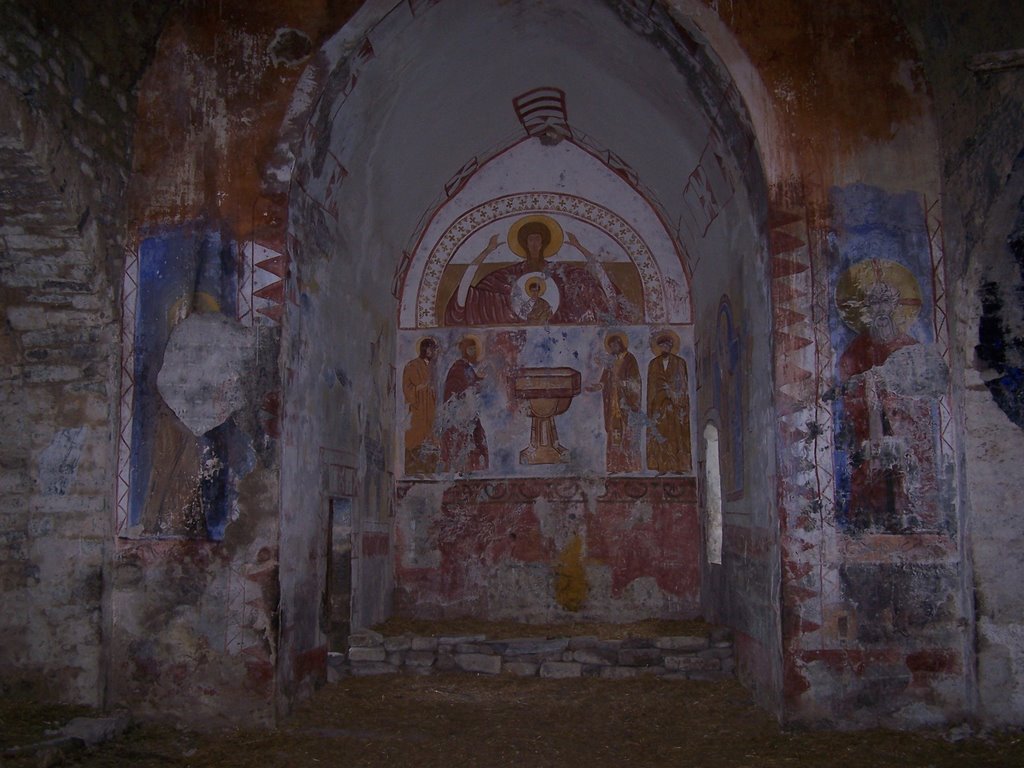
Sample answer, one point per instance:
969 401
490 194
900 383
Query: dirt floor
463 720
454 720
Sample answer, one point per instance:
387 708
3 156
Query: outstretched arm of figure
575 243
470 274
593 265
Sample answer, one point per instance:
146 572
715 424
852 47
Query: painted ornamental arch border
540 202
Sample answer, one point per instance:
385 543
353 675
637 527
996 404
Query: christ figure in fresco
463 441
421 399
585 294
538 310
620 392
668 408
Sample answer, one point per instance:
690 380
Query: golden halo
854 284
204 302
471 337
664 332
623 339
421 339
552 227
535 281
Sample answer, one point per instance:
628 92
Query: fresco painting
620 389
421 452
182 483
578 393
889 374
580 311
668 407
536 288
541 549
548 393
546 351
463 441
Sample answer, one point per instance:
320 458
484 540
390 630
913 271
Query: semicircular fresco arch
516 205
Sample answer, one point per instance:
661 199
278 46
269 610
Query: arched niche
411 107
563 181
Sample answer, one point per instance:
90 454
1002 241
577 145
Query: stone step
668 658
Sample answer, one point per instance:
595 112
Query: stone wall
978 101
65 145
855 597
677 657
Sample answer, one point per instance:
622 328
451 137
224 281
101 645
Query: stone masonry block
423 644
478 662
367 654
400 643
365 638
681 643
26 318
639 657
637 642
691 663
458 639
559 670
475 648
419 659
520 668
594 656
525 647
716 653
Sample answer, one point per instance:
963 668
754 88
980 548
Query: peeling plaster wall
65 125
339 383
980 145
735 394
822 173
613 34
845 133
336 434
195 586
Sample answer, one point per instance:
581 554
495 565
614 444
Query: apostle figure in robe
888 424
620 393
463 441
421 399
585 293
668 408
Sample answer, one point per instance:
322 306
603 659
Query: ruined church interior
319 314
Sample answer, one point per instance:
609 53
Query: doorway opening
337 596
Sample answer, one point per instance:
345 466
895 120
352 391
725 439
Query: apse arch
381 128
456 230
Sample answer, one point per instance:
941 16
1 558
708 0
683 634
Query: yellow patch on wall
571 577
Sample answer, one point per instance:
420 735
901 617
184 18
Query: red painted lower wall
547 549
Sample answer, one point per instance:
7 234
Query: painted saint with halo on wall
668 407
621 396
